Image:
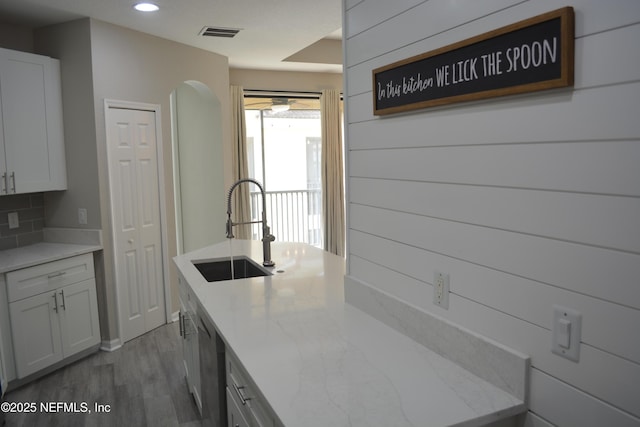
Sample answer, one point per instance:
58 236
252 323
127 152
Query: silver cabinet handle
180 317
13 181
242 397
5 186
55 302
63 305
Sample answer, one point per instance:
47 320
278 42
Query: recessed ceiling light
146 7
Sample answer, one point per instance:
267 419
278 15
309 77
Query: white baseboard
111 345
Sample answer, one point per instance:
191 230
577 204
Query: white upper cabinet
32 141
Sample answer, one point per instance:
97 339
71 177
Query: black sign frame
539 54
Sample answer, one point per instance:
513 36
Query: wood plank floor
143 383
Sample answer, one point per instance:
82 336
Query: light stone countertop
39 253
321 362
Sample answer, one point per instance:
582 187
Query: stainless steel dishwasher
212 373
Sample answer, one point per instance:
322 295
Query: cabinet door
187 349
191 342
32 122
190 351
4 189
78 314
235 417
6 342
256 410
36 333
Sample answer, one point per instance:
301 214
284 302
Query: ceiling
294 35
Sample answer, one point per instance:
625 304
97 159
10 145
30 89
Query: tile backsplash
30 210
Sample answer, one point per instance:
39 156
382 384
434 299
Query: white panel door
80 327
36 332
135 206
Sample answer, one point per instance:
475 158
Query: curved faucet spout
240 181
267 237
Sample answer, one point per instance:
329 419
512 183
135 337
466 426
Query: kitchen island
318 361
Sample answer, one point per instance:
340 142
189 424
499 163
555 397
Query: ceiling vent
219 32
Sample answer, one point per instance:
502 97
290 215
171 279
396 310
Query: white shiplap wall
526 201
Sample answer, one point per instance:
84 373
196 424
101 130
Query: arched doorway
197 166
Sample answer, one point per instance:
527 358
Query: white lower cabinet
57 323
244 399
246 407
37 342
189 333
78 314
234 413
191 358
54 325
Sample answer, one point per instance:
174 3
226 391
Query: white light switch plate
82 216
567 329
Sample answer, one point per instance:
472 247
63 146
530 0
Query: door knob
131 241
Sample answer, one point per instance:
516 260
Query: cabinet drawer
254 408
46 277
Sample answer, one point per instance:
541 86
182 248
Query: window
284 153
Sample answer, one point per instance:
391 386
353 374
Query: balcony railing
294 216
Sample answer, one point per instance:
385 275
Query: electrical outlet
82 216
441 289
13 220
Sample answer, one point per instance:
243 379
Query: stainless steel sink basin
220 269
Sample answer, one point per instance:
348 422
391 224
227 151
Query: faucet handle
266 233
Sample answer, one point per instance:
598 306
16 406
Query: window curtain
241 205
332 173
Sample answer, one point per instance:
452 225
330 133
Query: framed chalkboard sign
530 55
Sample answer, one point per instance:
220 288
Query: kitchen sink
220 269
